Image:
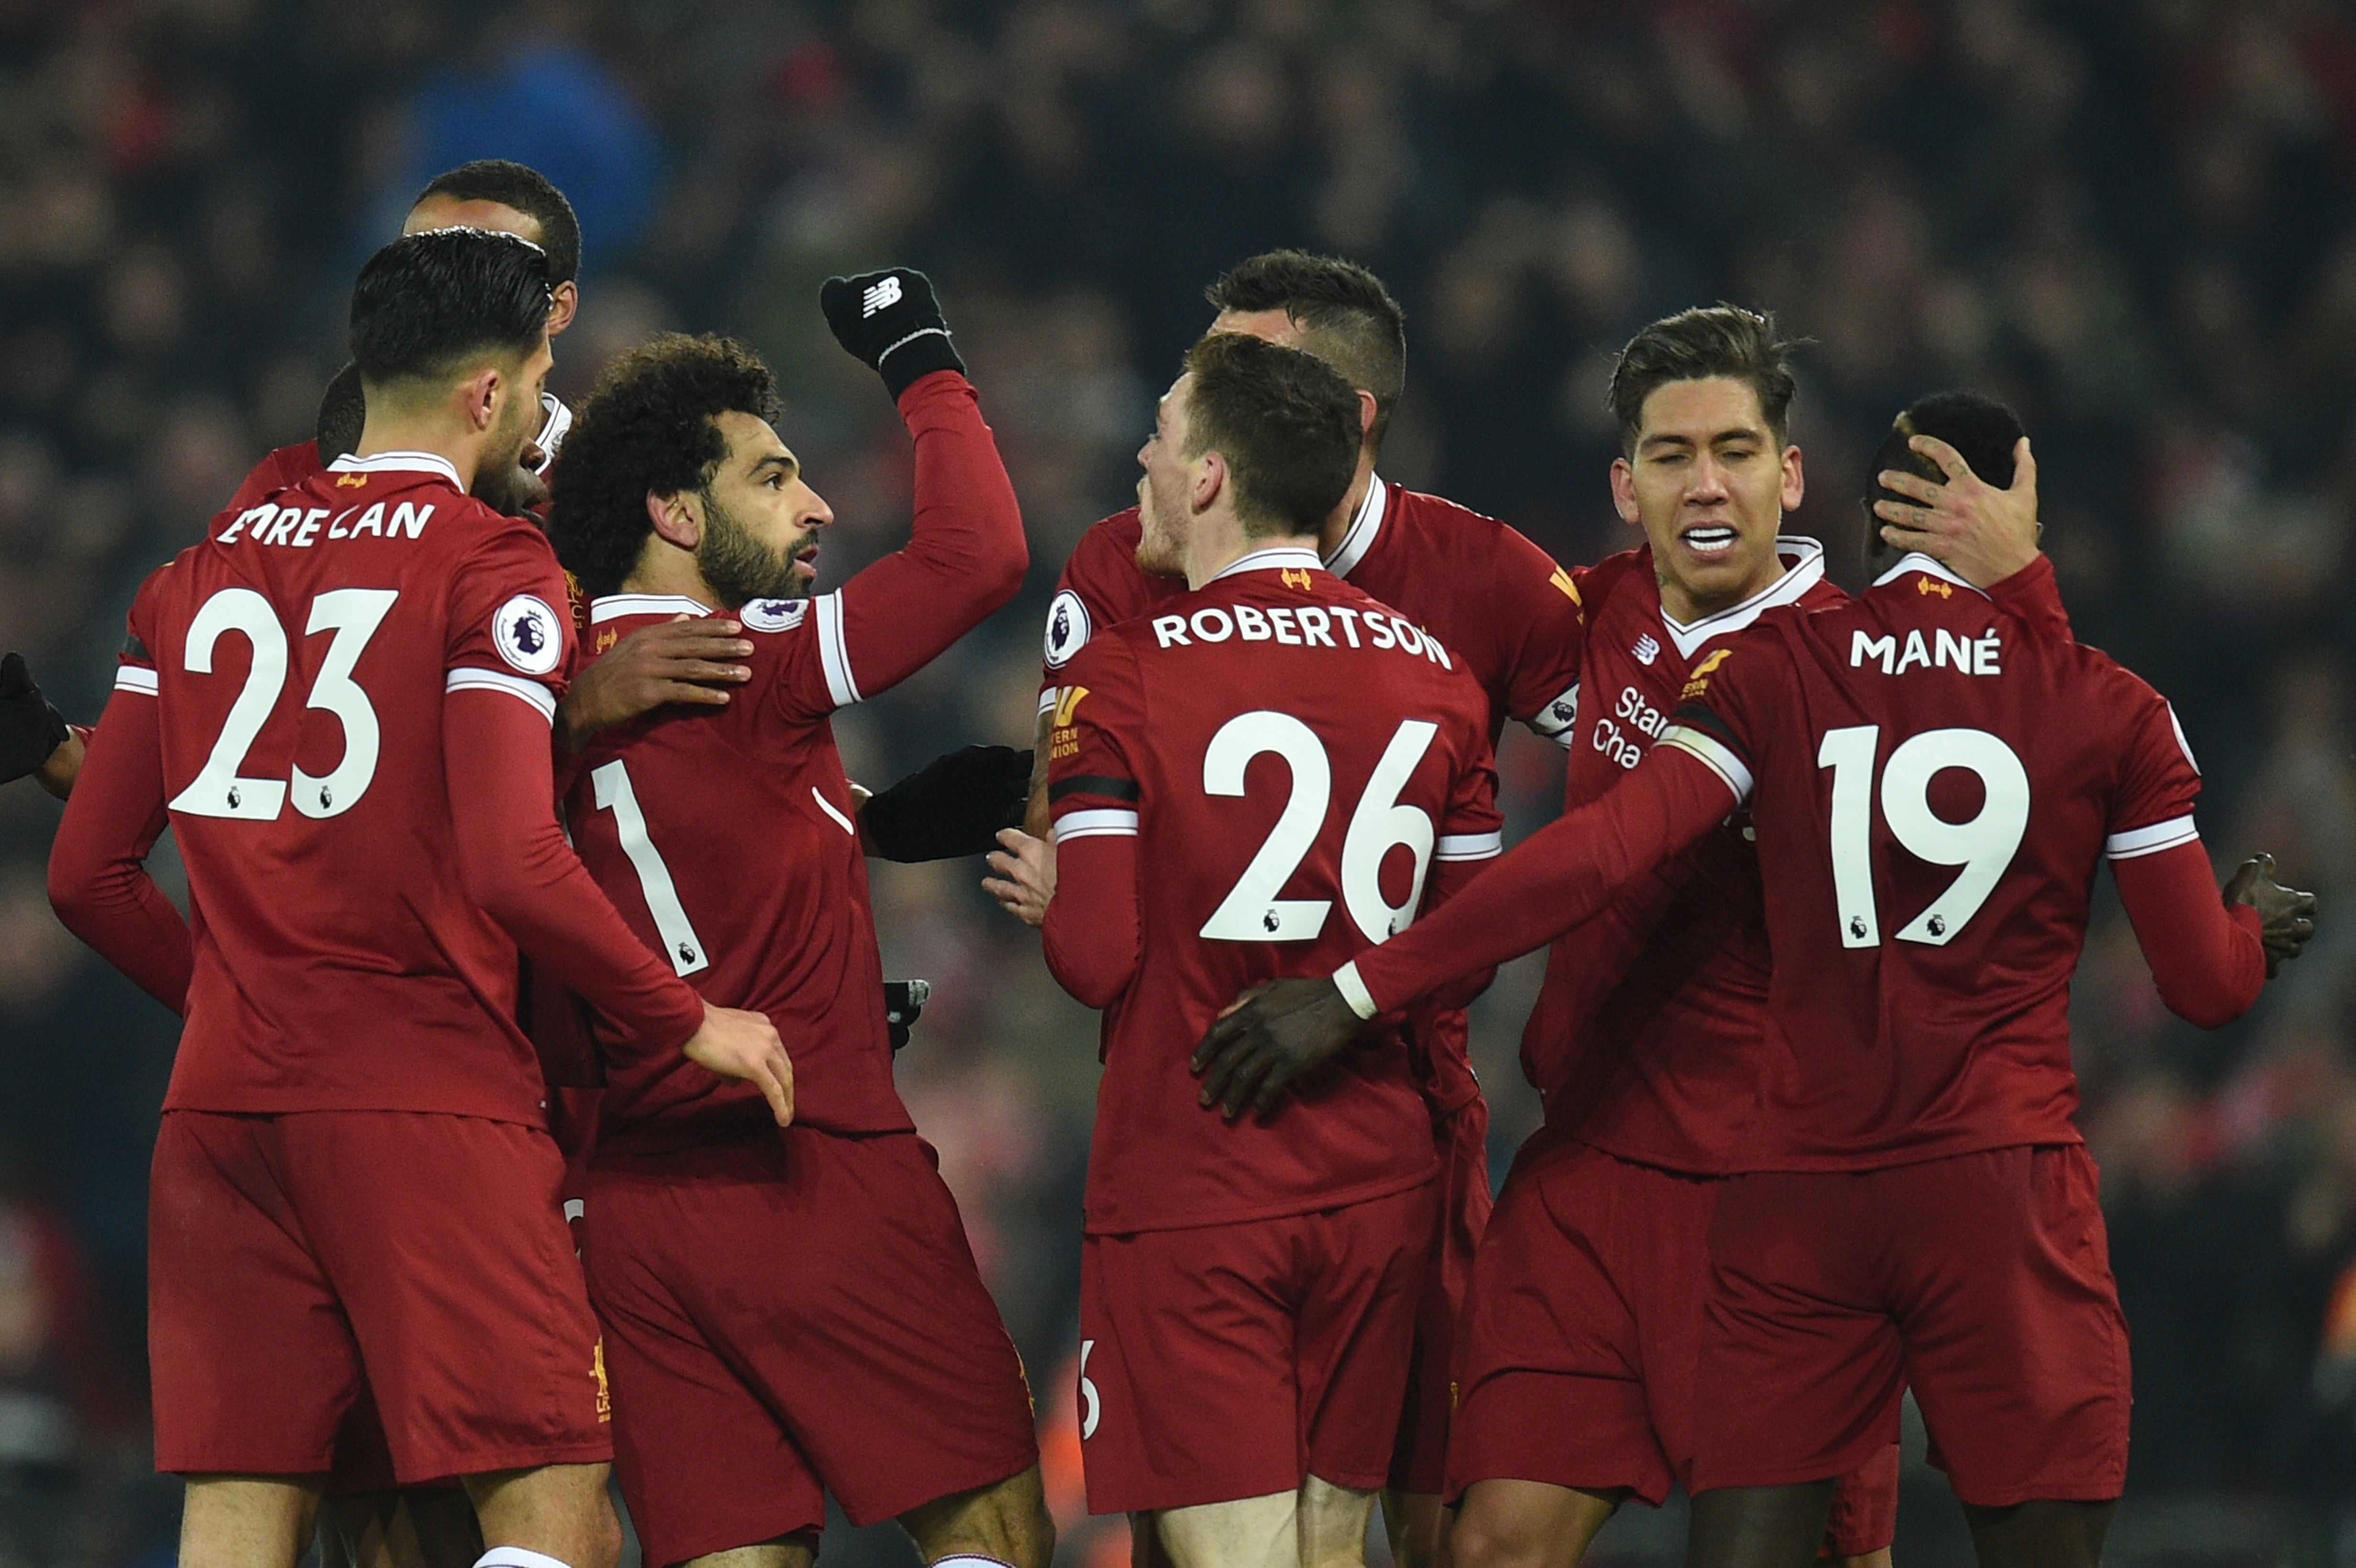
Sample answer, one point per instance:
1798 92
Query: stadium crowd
2132 222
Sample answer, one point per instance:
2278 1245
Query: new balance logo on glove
879 296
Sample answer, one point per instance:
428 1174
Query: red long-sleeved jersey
1931 787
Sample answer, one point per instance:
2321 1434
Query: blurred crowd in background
2135 219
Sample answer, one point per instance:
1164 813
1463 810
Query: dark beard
739 567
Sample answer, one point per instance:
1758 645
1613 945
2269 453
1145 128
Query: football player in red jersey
1249 1289
1933 783
1496 602
693 663
1581 1332
352 1151
787 1316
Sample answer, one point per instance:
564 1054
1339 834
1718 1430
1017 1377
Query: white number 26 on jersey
1983 846
1252 911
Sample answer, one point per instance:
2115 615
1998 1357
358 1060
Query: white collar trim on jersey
1807 569
1359 537
1915 560
397 462
1287 556
613 606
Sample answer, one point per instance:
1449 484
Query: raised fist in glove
30 729
890 322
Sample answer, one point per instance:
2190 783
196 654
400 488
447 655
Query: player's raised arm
966 555
98 877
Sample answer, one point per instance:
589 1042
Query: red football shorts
1420 1461
1983 1281
791 1314
1581 1341
1228 1361
299 1263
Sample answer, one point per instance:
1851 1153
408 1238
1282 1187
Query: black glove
952 806
890 322
30 729
904 1004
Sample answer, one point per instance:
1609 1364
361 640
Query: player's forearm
520 870
1090 937
99 883
2033 594
1448 883
1553 881
2208 961
965 556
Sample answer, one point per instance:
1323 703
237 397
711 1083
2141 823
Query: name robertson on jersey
300 527
1299 627
1975 656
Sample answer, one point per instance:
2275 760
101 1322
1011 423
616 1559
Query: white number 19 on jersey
1983 846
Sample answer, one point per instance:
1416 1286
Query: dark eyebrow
784 463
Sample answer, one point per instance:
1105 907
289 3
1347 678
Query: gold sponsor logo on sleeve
598 1370
1064 741
1570 587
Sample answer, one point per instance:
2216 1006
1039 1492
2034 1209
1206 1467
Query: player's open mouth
1715 540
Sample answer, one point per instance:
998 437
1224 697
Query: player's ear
1795 480
1210 479
1624 491
677 519
478 397
1367 410
565 301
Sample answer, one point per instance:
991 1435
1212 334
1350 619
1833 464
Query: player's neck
1218 542
1329 538
387 431
667 571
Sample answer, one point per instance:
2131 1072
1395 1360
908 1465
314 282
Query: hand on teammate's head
2286 916
890 323
1984 533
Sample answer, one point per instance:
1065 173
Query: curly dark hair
1287 424
1346 315
647 430
1982 429
1696 344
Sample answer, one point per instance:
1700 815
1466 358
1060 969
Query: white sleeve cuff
1469 846
834 651
1717 757
135 677
1102 823
2136 842
1353 990
541 700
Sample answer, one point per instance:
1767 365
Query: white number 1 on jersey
681 944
